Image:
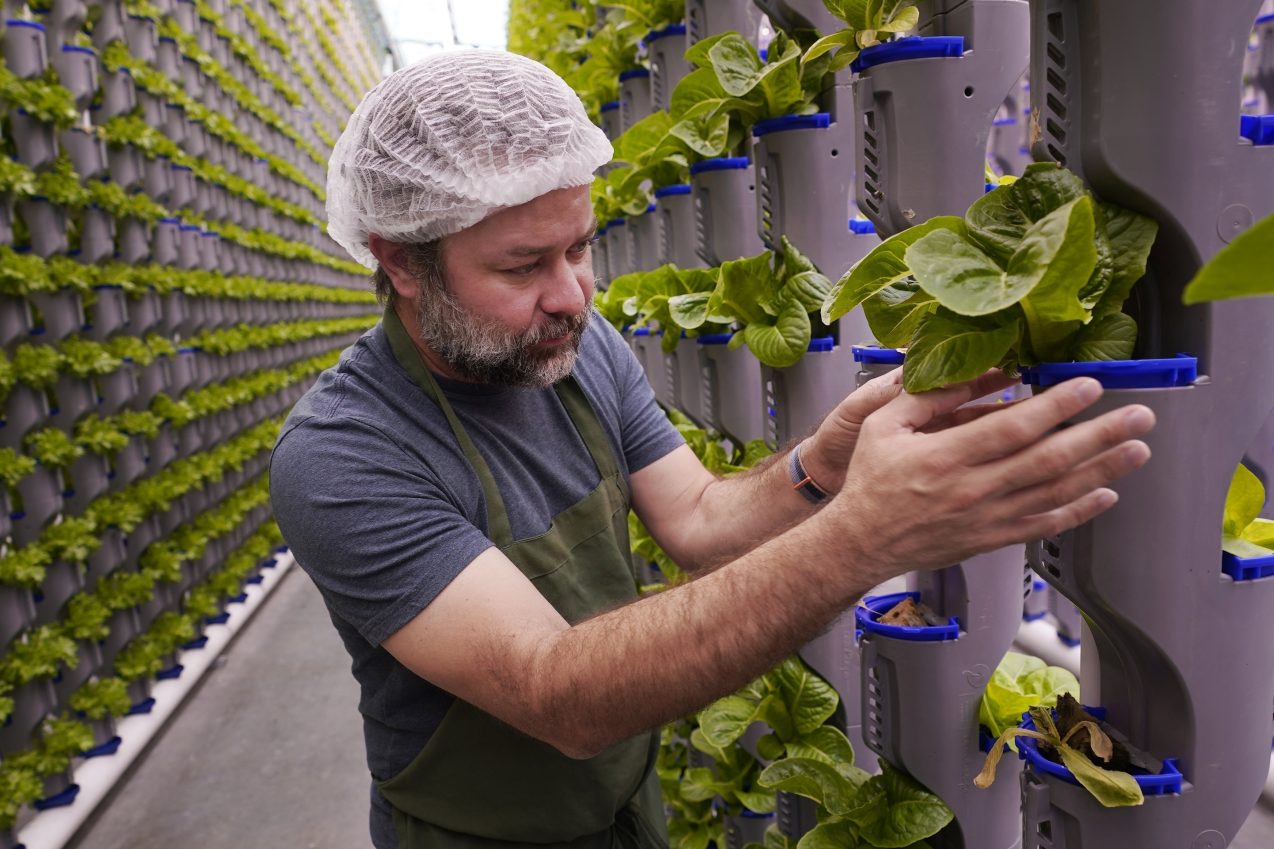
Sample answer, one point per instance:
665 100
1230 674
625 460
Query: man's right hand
928 498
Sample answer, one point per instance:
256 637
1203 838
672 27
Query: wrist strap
801 480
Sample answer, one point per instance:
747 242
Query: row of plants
24 274
68 735
40 366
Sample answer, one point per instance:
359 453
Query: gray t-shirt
380 507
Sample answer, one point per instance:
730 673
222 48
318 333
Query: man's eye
582 246
523 269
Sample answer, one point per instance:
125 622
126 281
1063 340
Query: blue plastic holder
75 48
616 222
1069 642
875 354
642 331
650 208
715 338
61 800
238 599
817 121
219 619
255 579
821 345
861 226
633 73
195 644
1006 121
610 105
721 163
1033 617
17 22
1265 19
915 47
269 563
1258 129
1181 370
110 747
142 707
670 191
873 607
1167 782
656 34
171 673
1247 568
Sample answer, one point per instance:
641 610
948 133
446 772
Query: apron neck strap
569 393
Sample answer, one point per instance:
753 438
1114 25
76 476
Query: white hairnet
437 146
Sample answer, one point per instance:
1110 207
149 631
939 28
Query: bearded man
458 486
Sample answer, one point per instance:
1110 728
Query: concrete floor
269 751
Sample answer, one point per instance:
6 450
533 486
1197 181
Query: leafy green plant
19 785
1111 788
659 298
44 651
1244 533
865 22
44 98
22 274
52 447
1018 684
1239 270
1036 271
98 435
24 567
104 697
37 365
770 298
14 467
693 822
72 539
86 358
85 618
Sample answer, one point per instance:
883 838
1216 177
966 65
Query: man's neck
433 362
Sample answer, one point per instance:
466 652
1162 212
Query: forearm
665 656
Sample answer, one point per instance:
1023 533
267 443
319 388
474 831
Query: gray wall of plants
167 292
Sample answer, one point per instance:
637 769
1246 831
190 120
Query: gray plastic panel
920 699
643 242
725 210
651 356
732 392
709 17
804 180
795 400
834 655
619 252
801 14
922 125
676 217
741 830
668 66
685 379
635 101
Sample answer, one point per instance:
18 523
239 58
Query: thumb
869 398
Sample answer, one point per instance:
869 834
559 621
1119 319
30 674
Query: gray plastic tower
668 65
1183 664
710 17
725 209
675 214
922 124
684 380
635 100
801 14
643 240
610 120
731 381
619 253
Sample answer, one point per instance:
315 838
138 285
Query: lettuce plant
14 466
1020 683
52 448
655 294
1110 787
19 785
1243 268
1036 271
37 365
23 567
1244 533
104 697
98 435
865 22
770 298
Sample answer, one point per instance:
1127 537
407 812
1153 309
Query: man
458 485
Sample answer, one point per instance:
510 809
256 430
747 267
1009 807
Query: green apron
480 783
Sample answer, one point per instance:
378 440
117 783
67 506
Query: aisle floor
268 752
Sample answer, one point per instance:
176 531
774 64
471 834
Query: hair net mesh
437 146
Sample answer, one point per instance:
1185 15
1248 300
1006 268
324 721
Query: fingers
993 437
914 412
1072 515
1056 455
871 396
1088 477
968 413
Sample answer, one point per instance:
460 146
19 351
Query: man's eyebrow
536 250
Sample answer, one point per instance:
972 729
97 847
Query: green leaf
1019 683
811 699
1260 532
1243 501
737 64
724 721
1131 236
828 43
825 743
964 279
1243 268
949 349
689 312
998 220
831 834
812 780
883 267
742 286
894 313
1111 337
893 810
781 341
1113 789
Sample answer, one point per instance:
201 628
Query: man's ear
392 258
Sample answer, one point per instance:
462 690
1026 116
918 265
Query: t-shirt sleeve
373 527
645 431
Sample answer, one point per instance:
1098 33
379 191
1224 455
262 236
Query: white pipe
54 828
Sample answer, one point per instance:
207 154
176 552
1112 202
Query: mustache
558 327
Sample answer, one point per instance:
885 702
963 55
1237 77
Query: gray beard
481 350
